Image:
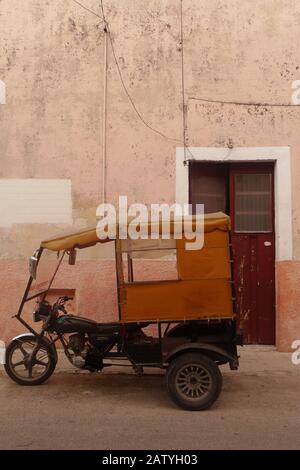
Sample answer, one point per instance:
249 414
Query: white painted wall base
283 192
35 201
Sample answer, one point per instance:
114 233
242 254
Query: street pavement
259 408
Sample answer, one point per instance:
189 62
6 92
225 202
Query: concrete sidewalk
259 408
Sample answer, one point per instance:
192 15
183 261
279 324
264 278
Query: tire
40 371
194 381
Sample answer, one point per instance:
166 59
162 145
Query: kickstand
138 369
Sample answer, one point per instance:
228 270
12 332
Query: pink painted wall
51 127
94 284
288 278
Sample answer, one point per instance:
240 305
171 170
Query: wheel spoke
41 363
193 381
23 351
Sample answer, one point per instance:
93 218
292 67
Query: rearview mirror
33 261
72 257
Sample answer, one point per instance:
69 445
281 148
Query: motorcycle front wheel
26 369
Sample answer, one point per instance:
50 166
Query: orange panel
172 300
211 262
208 263
217 238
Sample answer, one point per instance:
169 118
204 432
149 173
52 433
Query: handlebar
60 304
47 312
66 298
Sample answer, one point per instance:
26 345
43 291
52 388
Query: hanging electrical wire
137 112
204 100
139 115
87 9
184 124
131 100
245 103
123 83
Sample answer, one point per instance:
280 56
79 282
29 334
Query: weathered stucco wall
51 60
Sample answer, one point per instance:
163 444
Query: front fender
45 341
22 336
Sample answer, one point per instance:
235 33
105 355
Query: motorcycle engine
79 346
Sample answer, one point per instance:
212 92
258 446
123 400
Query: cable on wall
184 124
87 9
107 31
123 83
204 100
139 115
104 117
242 103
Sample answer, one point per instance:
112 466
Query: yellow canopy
88 236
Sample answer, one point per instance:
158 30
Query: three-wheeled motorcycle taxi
190 317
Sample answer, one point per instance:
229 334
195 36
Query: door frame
282 183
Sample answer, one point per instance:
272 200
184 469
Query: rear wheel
194 381
28 363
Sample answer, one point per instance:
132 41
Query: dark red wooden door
253 241
246 192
